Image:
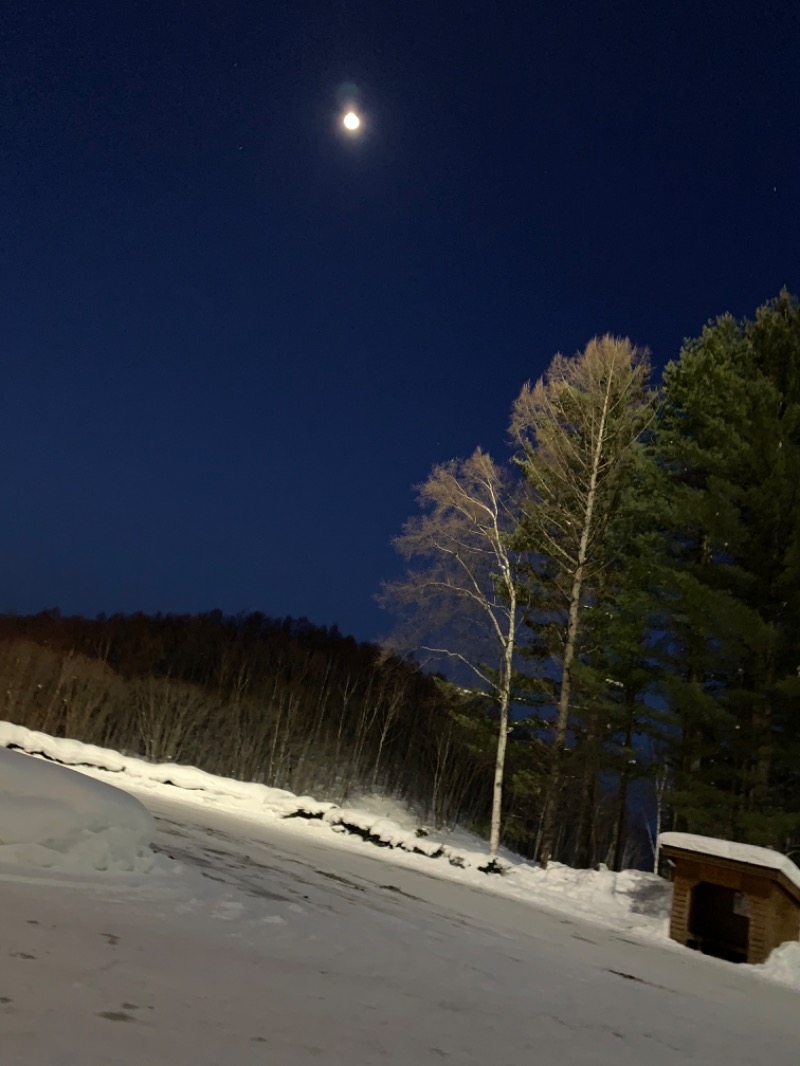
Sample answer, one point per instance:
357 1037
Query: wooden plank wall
681 902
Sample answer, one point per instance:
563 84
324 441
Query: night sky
233 337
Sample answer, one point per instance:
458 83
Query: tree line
279 701
626 588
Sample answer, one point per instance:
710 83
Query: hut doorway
719 922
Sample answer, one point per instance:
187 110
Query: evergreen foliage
728 453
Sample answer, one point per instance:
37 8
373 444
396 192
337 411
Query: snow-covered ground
632 900
271 941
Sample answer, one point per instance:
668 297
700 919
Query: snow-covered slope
77 821
255 938
273 941
629 900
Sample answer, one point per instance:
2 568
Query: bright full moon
351 121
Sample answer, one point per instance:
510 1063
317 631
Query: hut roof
731 849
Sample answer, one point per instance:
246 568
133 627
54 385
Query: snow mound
54 818
385 833
389 807
631 899
644 893
783 965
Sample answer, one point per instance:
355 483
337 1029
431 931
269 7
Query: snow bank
730 849
385 833
604 892
633 898
52 817
369 824
395 810
783 965
77 754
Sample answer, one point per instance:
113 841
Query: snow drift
53 817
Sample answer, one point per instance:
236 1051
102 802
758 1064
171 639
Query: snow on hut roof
731 849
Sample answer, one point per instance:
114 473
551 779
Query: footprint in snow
228 910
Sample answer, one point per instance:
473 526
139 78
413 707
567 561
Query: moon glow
351 121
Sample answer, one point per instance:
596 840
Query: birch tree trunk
463 598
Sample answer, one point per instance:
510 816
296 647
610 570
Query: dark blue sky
232 339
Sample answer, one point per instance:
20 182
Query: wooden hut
735 901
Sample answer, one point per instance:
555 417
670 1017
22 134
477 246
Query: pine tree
728 451
618 678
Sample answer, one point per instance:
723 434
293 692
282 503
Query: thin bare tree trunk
502 740
576 592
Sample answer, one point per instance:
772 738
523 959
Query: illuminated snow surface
267 941
52 817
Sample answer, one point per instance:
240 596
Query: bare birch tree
575 429
463 591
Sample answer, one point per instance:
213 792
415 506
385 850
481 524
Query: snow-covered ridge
630 900
633 897
367 824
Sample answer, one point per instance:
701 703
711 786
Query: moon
351 121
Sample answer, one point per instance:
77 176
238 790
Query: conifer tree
618 674
728 452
